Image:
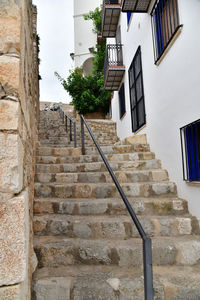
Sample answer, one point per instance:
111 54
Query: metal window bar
165 24
147 245
114 56
190 149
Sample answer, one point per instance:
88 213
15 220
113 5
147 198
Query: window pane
134 120
139 87
133 98
137 65
141 113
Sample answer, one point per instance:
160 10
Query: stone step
104 190
99 177
114 283
112 227
116 149
55 251
98 166
110 206
94 158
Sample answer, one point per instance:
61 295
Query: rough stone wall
19 108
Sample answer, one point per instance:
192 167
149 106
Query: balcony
110 17
113 67
137 6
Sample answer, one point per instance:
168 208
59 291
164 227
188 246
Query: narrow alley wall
19 112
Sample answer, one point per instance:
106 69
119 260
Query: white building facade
158 89
84 37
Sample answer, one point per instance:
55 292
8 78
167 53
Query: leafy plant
87 91
95 16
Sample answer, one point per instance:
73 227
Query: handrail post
82 137
66 123
70 135
147 247
74 134
148 274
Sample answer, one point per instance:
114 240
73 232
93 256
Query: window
122 105
128 17
165 24
138 117
190 144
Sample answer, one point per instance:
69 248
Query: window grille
122 104
137 92
190 146
165 24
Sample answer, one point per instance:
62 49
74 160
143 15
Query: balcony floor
110 20
114 76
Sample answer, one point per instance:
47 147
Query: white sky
56 31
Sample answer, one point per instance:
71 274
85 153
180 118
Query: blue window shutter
192 153
128 17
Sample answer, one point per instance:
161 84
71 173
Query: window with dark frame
165 24
122 104
138 117
190 144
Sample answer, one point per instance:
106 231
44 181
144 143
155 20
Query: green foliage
95 16
87 92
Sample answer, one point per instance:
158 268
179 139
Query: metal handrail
147 245
65 119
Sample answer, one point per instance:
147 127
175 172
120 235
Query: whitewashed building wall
171 90
84 36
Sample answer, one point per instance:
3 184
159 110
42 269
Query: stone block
9 73
52 288
14 229
10 115
10 34
10 292
11 163
82 229
136 139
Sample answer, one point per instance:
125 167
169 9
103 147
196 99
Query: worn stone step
54 251
98 177
98 166
116 149
104 190
110 206
112 226
115 283
94 158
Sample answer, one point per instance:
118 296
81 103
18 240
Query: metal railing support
75 135
66 123
70 135
147 247
82 137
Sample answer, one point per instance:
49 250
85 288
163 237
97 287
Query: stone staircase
86 243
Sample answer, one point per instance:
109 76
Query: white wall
172 91
84 37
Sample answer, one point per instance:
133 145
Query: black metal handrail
114 56
72 123
147 245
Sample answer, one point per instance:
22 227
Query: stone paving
86 243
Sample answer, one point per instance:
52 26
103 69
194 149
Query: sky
56 30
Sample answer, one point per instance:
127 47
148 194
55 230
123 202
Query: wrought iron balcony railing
110 17
113 67
138 6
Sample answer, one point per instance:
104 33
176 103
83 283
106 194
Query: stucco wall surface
171 90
